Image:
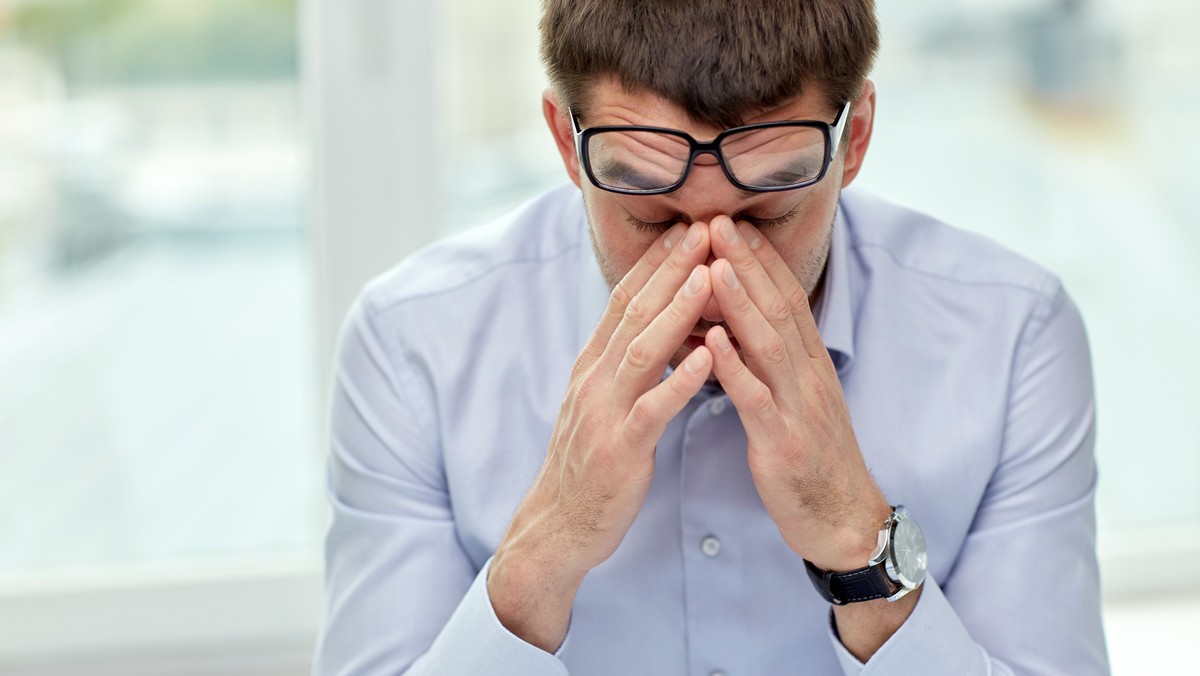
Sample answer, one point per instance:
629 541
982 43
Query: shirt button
716 406
711 546
718 672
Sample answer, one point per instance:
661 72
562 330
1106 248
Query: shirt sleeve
1023 597
402 596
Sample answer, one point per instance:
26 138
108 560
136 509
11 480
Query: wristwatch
897 566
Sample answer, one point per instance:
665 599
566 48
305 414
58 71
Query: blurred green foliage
97 42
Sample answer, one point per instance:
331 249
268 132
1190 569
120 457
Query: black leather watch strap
864 584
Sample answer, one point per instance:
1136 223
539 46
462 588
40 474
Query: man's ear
559 121
860 133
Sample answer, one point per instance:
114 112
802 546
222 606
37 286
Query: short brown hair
720 60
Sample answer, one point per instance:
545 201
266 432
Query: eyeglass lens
770 157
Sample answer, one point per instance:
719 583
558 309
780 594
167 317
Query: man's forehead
610 101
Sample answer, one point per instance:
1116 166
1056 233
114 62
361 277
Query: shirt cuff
931 641
475 642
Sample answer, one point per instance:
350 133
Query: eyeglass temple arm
839 127
578 133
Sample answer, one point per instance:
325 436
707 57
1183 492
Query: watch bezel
885 553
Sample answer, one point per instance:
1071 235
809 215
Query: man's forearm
532 597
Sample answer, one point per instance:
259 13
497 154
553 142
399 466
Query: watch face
908 550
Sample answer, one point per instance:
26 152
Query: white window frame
369 101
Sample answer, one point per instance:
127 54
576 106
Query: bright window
158 401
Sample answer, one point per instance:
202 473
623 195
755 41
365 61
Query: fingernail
670 239
722 341
754 239
694 283
730 278
694 362
693 238
728 231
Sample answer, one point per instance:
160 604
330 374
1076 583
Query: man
683 448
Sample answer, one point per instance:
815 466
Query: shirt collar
834 313
594 292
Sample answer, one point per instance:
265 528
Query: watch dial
908 547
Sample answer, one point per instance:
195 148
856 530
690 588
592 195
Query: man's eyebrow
628 173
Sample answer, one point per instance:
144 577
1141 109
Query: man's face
798 223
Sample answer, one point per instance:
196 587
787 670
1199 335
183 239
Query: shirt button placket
705 583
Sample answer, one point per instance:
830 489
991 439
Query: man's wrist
532 595
853 543
897 566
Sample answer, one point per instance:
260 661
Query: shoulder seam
476 277
1039 289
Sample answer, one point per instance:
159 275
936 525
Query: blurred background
192 191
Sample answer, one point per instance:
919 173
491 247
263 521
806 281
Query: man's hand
802 451
600 461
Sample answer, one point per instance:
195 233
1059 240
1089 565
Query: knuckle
778 312
774 350
638 312
759 397
621 296
588 383
642 416
591 352
580 368
638 356
799 299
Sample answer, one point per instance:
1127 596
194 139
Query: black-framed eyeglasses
764 157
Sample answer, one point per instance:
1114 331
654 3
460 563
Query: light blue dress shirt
967 374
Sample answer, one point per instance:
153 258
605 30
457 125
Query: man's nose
707 193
